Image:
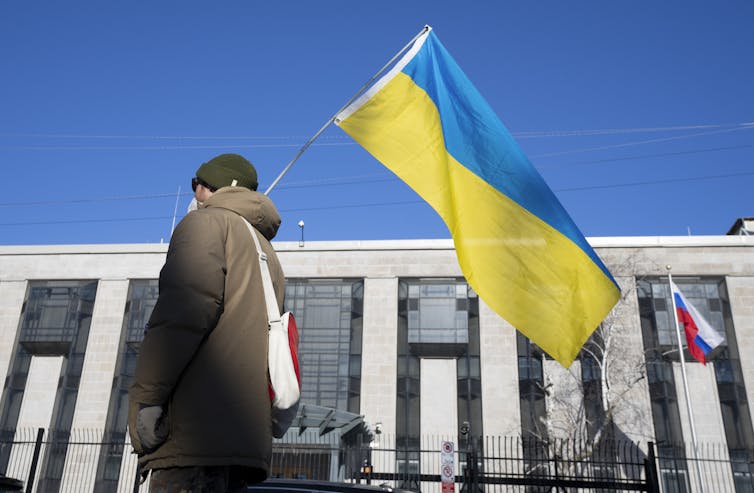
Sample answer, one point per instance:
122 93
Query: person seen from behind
199 407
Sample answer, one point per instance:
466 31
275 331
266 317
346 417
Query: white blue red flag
701 336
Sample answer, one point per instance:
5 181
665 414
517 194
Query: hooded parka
204 354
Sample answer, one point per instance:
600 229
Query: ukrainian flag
517 246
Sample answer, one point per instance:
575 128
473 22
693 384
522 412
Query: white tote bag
282 354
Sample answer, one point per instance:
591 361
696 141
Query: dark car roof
305 485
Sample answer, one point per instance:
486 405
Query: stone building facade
391 331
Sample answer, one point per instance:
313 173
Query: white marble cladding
714 255
499 365
741 293
379 352
628 389
439 396
564 400
12 295
40 392
101 355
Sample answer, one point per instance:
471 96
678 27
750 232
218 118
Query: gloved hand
152 427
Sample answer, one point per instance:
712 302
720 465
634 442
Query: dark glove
152 427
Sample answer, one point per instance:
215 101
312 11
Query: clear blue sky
637 113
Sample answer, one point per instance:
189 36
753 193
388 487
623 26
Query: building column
101 355
379 353
96 380
12 295
501 413
741 294
631 405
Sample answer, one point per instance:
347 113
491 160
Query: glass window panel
56 320
462 368
413 322
665 329
331 340
659 290
436 313
708 296
462 323
461 291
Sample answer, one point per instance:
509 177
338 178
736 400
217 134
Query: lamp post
301 241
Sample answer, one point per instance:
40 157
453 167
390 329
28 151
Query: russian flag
701 337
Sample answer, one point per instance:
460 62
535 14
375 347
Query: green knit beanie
228 170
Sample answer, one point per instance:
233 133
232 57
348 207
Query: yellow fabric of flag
517 247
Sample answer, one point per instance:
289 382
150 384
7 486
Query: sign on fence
447 469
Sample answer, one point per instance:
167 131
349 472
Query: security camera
377 428
465 427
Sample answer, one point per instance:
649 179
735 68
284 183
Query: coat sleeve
190 302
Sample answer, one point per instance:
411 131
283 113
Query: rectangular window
55 321
531 393
436 318
709 296
329 316
437 313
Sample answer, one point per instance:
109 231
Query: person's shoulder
201 221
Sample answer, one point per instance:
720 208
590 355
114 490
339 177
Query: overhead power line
391 203
521 134
322 182
168 147
351 180
656 182
296 140
161 137
620 131
642 142
649 156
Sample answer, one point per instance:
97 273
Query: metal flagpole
332 119
685 382
175 210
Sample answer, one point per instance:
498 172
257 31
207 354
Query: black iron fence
45 462
504 464
85 462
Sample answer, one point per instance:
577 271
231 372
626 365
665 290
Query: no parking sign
447 463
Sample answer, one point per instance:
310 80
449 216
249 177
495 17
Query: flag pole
332 119
175 210
685 382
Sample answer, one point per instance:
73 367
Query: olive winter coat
204 354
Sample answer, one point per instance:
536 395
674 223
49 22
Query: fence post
650 469
35 460
137 479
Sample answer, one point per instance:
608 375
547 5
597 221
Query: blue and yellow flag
517 246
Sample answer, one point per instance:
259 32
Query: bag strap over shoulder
273 311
